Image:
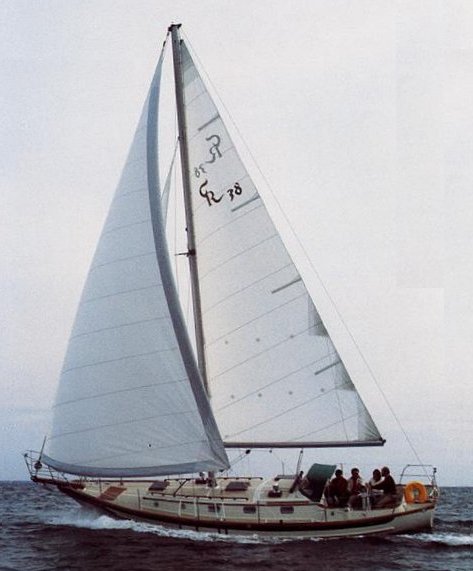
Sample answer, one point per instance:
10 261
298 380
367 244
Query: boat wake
448 539
87 519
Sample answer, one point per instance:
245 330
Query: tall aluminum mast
186 183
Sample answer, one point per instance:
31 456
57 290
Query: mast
186 183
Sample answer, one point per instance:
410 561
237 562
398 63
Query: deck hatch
237 486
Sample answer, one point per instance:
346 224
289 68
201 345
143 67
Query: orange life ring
415 492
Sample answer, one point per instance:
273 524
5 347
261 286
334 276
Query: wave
443 538
88 519
462 523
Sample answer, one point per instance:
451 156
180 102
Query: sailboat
147 409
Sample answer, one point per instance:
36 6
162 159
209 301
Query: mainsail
274 375
130 399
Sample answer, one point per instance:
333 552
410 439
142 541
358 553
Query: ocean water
43 530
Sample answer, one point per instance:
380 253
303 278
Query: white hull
183 504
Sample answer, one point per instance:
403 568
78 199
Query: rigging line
166 187
340 409
304 251
189 308
182 274
175 196
283 464
182 279
337 394
239 458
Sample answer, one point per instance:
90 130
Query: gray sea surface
43 530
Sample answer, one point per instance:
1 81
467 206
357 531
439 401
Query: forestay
275 376
130 400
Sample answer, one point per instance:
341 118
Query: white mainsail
274 375
130 399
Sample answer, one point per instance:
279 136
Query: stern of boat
418 492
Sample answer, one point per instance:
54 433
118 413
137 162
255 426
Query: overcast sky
359 114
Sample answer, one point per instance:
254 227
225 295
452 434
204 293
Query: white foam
451 539
92 520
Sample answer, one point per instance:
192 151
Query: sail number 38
212 198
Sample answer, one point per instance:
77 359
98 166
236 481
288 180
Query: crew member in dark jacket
388 486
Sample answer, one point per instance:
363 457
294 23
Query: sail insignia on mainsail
272 382
136 400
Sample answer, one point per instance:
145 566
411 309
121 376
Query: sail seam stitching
190 442
124 292
288 302
276 381
234 220
118 359
259 280
270 419
132 421
112 327
343 419
270 348
110 393
231 258
128 258
116 228
123 194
